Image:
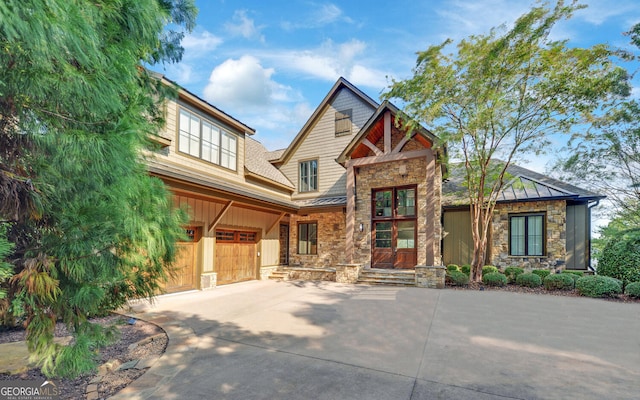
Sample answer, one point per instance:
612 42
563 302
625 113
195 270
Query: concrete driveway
322 340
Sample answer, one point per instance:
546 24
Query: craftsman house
352 192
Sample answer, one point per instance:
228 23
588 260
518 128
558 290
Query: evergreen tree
88 226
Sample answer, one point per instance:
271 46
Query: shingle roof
257 162
275 154
523 185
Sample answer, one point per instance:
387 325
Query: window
200 138
308 176
399 203
223 236
526 235
308 238
343 122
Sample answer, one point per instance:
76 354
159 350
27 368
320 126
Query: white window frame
308 176
206 140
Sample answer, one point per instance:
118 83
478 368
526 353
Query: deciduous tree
502 95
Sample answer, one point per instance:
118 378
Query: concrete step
389 282
387 277
279 275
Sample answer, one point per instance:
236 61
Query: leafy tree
88 226
501 96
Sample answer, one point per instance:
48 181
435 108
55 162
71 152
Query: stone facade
394 174
208 280
431 277
348 273
556 241
331 244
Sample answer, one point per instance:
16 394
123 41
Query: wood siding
321 143
578 236
457 245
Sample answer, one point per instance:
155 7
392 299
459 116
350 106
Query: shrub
466 269
633 289
542 273
620 259
558 282
529 280
494 279
572 275
453 267
512 273
598 286
488 269
457 278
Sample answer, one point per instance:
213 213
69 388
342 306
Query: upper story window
526 235
308 176
200 138
343 122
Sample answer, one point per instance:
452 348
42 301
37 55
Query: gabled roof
381 110
340 84
524 185
204 105
257 164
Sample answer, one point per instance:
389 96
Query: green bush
633 289
512 273
542 273
453 267
457 278
488 269
529 280
620 259
574 273
559 282
494 279
598 286
466 269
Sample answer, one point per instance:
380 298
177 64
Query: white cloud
330 61
321 15
198 44
244 26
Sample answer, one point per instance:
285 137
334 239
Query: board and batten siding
203 212
457 245
322 144
578 230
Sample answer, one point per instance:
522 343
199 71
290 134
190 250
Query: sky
270 63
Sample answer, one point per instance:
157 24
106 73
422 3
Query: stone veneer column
430 276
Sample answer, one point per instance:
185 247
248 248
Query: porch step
387 277
279 275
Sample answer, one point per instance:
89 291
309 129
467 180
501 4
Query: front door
393 226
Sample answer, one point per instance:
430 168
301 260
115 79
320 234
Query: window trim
526 216
222 131
310 253
342 115
317 180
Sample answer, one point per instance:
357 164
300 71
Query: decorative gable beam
275 223
404 141
387 132
372 146
218 217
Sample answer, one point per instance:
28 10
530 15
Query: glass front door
394 228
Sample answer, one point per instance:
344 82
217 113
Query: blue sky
270 63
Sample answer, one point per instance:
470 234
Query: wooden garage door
184 275
235 256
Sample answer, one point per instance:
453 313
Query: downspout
590 206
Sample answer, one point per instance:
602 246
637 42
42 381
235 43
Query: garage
236 255
184 268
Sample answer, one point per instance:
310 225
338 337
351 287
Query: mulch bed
113 381
622 298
